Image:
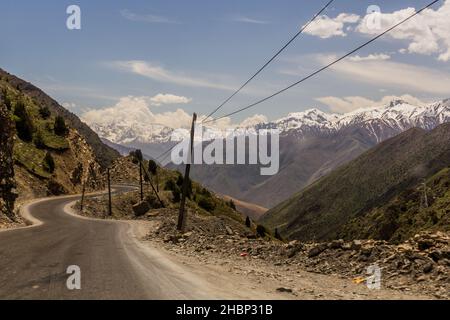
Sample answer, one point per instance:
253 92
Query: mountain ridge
398 114
321 210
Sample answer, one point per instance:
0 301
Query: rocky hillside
168 183
52 151
7 182
327 209
104 155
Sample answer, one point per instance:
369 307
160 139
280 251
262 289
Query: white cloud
136 113
395 74
245 19
371 57
326 27
161 99
253 120
148 18
347 104
427 33
158 73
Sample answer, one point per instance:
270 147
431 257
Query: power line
327 66
162 155
270 60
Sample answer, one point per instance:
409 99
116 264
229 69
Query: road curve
113 263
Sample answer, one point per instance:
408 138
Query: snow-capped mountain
380 122
312 144
121 131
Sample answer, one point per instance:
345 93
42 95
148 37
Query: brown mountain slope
50 156
103 154
323 209
7 182
302 161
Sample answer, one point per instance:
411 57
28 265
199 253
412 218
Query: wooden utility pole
83 190
157 181
190 157
109 194
140 180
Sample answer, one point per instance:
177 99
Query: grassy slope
104 154
321 210
69 152
28 154
406 214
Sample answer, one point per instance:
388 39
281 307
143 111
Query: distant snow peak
395 116
396 102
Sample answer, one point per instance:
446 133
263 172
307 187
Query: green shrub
24 125
45 112
206 203
171 185
261 230
180 181
277 234
48 163
176 191
39 140
152 167
6 99
60 127
232 205
176 196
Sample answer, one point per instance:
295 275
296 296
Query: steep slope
7 182
426 206
50 156
103 154
322 210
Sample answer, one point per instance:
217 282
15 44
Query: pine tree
60 127
49 163
138 155
152 167
24 125
248 223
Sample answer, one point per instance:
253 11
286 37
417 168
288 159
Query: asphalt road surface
113 264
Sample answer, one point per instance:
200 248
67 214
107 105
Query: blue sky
202 49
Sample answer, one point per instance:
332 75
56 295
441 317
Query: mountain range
312 144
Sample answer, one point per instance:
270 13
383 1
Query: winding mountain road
113 263
116 264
